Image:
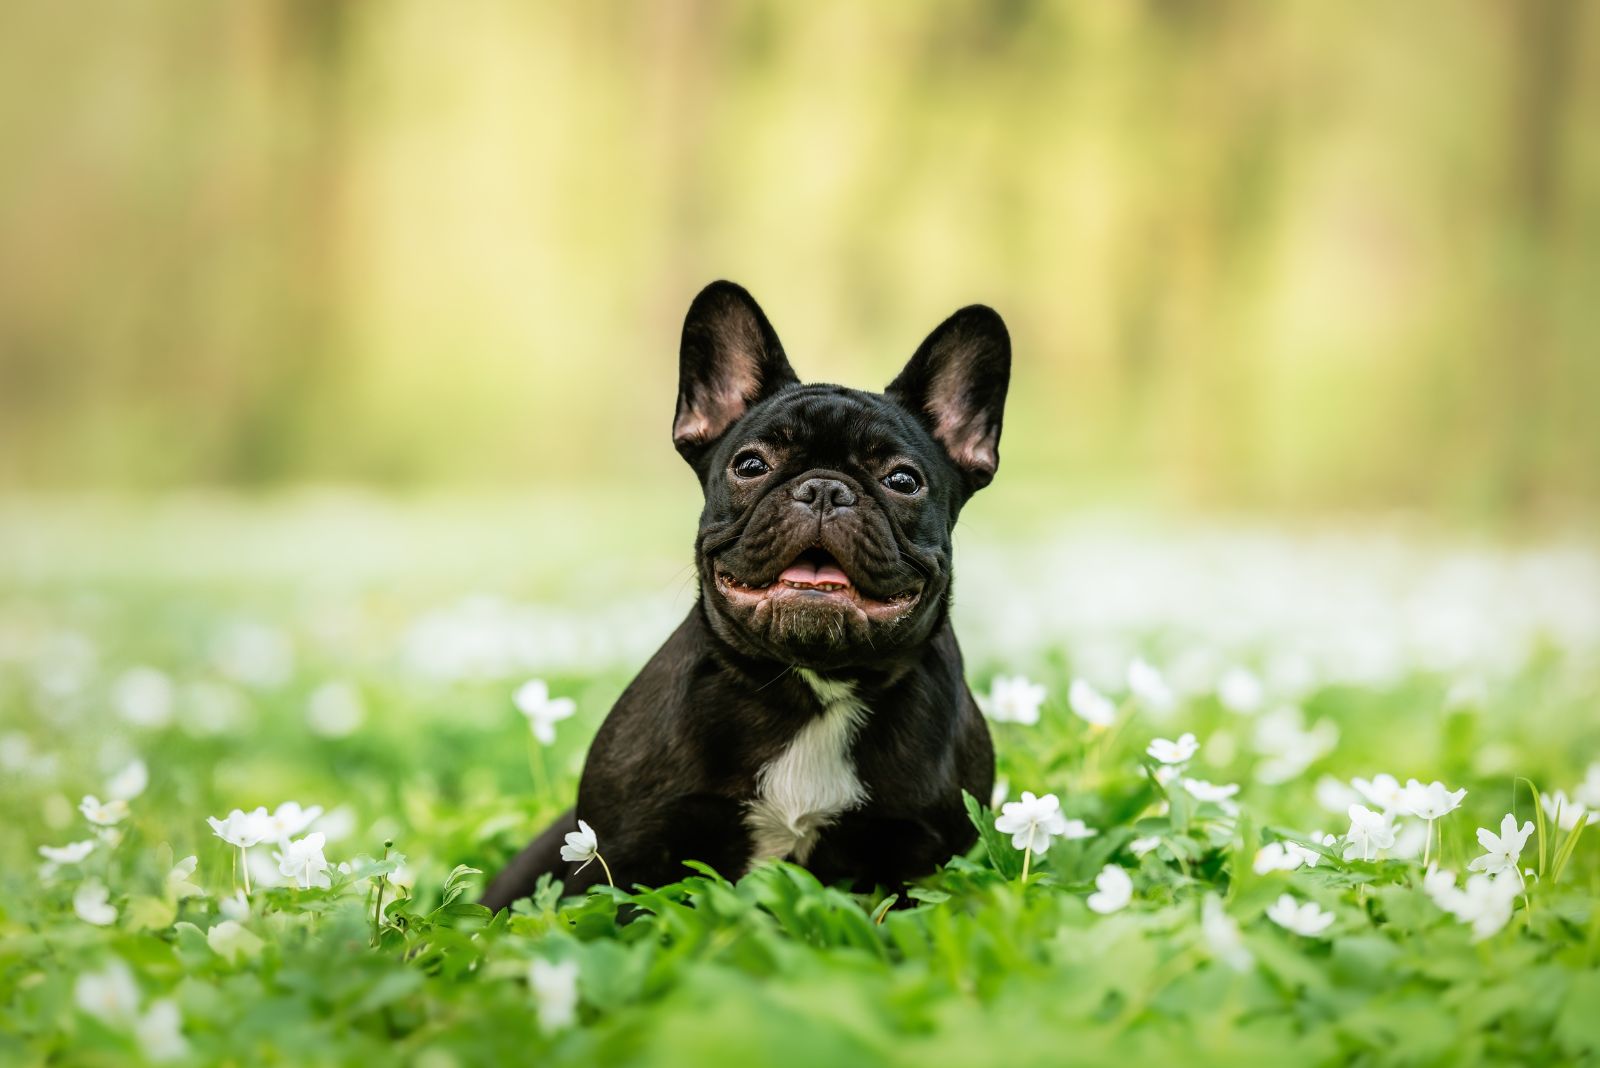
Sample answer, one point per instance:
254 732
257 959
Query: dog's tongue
806 573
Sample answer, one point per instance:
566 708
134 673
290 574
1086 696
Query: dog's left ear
956 384
730 360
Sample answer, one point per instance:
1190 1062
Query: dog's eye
903 480
749 465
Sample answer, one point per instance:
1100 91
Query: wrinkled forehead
833 425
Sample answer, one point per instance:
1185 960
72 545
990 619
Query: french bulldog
813 705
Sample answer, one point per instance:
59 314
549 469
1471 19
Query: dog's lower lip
845 591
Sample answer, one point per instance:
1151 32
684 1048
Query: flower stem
536 764
244 862
1027 858
377 910
1427 847
605 868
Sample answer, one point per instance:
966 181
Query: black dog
813 706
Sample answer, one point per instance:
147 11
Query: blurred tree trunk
1526 363
302 50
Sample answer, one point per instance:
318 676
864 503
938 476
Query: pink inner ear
970 442
978 455
964 433
691 429
717 406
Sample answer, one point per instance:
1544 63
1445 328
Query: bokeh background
338 349
1294 258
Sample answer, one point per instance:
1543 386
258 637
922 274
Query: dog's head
825 539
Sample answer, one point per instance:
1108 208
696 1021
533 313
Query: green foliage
395 963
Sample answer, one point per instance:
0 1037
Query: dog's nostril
824 494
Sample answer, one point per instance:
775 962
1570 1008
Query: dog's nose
823 494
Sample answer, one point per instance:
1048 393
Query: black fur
674 767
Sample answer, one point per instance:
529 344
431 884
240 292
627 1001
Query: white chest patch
813 780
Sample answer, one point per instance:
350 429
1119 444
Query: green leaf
1545 845
456 883
1568 847
387 990
928 895
1578 1026
150 913
1002 857
363 866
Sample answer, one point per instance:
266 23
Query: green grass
771 969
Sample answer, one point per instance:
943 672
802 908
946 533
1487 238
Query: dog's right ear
729 361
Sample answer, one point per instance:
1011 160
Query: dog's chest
813 780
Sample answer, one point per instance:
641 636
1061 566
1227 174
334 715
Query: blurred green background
1288 257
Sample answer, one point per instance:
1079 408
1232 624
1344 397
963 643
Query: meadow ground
183 659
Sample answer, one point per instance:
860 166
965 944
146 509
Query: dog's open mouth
815 576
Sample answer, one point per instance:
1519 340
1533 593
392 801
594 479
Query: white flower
1148 685
1090 705
1033 821
1310 856
303 862
582 845
107 814
178 879
210 708
555 988
254 654
1113 890
1383 791
339 824
1486 902
288 820
1369 832
231 940
1502 851
1276 856
242 829
1288 746
1440 886
1307 919
402 877
1216 793
1222 935
236 907
544 712
1588 792
1170 752
1140 846
1240 691
143 697
159 1031
17 755
1075 829
1001 791
1431 801
91 903
109 995
1565 813
1335 796
1411 840
335 710
1013 699
263 869
71 853
129 783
